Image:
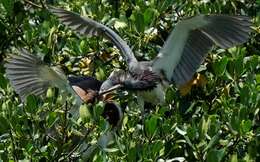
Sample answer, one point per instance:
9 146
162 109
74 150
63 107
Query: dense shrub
215 121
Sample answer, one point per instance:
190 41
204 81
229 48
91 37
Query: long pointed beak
111 89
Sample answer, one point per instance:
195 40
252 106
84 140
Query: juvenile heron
29 75
179 58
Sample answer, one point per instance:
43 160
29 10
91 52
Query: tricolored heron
29 75
179 58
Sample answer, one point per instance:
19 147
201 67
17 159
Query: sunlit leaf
234 158
258 78
246 125
120 24
151 125
220 66
149 16
50 38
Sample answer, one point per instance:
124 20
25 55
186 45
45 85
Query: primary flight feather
179 58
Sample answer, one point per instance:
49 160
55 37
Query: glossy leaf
215 155
220 66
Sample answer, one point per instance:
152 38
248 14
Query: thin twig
13 145
80 143
65 122
54 139
42 3
33 4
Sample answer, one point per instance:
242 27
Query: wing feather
29 75
191 39
89 27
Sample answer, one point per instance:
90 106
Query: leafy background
215 118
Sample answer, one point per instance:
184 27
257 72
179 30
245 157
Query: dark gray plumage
180 56
89 27
29 75
195 37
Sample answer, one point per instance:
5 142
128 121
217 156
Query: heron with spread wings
29 75
184 50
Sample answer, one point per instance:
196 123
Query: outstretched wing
29 75
191 39
89 27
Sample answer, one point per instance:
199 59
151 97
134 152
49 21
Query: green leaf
246 125
239 65
189 142
219 67
215 155
120 24
170 95
151 125
132 155
181 132
243 113
4 125
52 119
245 95
212 142
139 22
97 111
234 158
50 42
191 132
157 146
83 46
32 103
84 112
204 126
252 62
165 4
3 82
149 15
100 75
235 121
8 5
111 150
257 77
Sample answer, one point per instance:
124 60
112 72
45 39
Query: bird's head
113 82
119 79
